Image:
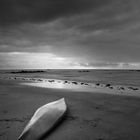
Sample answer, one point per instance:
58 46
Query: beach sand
90 115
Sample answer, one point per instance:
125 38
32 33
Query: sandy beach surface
91 115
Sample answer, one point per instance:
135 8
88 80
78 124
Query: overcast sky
69 34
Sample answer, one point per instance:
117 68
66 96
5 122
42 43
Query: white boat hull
43 120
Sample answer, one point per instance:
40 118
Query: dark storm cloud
14 11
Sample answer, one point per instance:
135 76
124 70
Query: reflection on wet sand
77 86
60 84
82 87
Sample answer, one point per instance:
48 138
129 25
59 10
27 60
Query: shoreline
76 85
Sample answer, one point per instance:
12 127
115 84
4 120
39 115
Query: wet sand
90 116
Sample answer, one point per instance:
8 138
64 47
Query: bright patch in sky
25 60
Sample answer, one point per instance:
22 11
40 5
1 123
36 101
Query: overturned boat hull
43 120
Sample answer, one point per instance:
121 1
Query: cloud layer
17 11
99 32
